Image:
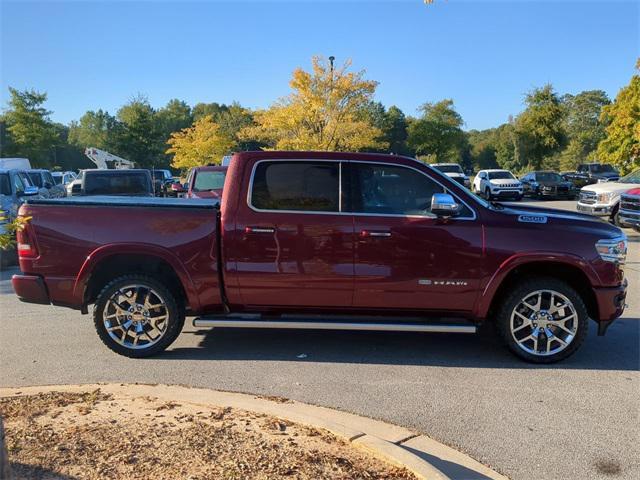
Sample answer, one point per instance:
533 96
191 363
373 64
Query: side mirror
443 205
29 192
76 189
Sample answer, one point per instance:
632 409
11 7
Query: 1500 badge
532 219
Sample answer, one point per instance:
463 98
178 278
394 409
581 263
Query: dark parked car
589 173
130 182
47 186
323 240
546 184
162 179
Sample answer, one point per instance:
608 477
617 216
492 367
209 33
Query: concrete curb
426 458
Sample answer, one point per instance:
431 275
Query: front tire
137 316
487 193
543 320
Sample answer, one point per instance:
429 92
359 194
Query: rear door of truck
293 244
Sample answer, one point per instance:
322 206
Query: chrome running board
256 322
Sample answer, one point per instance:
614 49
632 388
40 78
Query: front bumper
30 289
611 304
504 193
597 210
629 218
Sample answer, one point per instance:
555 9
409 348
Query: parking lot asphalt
575 419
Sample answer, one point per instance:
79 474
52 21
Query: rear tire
137 316
546 331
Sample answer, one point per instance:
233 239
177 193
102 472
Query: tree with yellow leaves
621 146
324 112
200 144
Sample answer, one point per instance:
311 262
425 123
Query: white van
15 163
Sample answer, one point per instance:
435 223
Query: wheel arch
109 262
573 273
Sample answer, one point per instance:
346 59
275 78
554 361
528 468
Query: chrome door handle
374 233
259 230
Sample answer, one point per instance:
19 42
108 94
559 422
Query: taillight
25 245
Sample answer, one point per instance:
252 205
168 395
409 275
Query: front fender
483 303
106 251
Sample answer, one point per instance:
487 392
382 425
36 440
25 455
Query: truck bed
128 201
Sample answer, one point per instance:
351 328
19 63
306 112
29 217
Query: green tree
174 116
583 126
214 110
32 135
395 131
323 112
94 129
540 129
482 145
621 145
438 132
139 136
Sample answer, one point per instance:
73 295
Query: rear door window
207 180
134 183
310 186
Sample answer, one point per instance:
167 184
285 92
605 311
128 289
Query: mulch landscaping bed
94 435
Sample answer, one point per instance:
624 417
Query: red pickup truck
325 241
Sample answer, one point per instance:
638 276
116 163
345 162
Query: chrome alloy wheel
135 316
544 323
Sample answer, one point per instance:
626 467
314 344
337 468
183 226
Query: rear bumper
30 289
611 304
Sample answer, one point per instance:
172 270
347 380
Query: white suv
603 199
497 184
454 171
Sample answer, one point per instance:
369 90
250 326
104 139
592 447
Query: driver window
391 190
17 181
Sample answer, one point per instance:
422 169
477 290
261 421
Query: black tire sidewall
520 291
175 321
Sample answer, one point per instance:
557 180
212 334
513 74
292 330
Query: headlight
604 197
613 249
603 180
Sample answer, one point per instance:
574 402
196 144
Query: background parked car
129 182
590 173
629 212
206 182
454 171
547 184
46 184
603 199
63 178
161 181
497 184
14 187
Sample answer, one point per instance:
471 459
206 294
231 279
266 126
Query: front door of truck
293 244
406 258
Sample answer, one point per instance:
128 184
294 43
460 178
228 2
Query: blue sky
484 55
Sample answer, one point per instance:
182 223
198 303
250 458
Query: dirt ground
93 435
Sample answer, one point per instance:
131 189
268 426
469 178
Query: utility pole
331 59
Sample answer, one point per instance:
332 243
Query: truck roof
311 155
124 201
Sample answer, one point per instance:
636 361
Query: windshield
129 183
633 177
208 180
449 168
35 178
503 175
602 168
57 178
548 177
5 184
